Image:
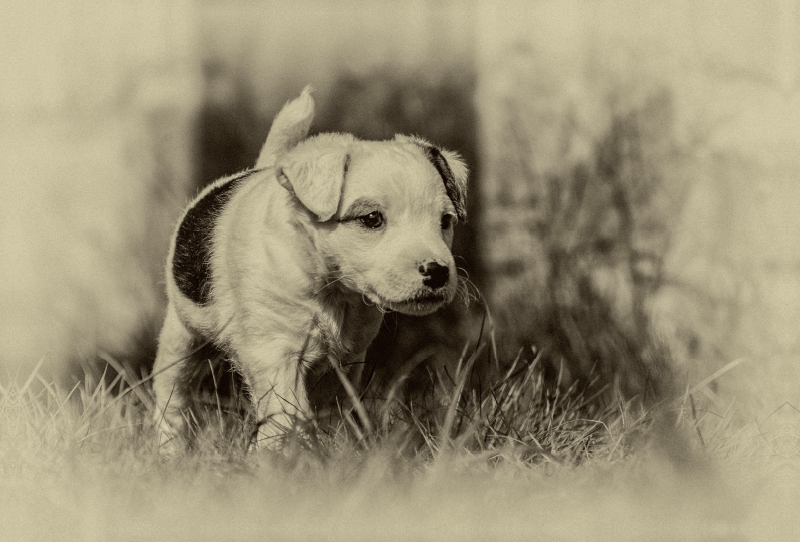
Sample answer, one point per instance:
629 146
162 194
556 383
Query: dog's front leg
275 379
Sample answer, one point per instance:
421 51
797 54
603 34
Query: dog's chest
343 332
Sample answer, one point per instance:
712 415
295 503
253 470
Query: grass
519 461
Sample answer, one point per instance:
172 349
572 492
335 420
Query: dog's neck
348 323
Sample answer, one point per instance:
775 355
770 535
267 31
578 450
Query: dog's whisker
368 302
471 289
329 283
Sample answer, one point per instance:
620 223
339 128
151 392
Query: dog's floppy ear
314 172
452 170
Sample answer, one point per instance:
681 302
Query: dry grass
517 462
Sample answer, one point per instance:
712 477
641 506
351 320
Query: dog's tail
288 129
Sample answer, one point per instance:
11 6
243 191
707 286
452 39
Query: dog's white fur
298 276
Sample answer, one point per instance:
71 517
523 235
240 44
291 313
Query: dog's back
190 265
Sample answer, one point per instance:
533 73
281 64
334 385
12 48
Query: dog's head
383 214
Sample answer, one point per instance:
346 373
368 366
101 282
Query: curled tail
288 129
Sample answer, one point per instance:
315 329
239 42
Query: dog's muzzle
433 294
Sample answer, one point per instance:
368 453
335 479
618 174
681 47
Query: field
84 465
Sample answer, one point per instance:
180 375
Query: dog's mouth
419 305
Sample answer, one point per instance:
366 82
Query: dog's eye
448 221
373 220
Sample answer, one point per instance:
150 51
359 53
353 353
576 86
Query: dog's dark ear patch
455 194
191 262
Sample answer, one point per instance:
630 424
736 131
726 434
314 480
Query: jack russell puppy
294 262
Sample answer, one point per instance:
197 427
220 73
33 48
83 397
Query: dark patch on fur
191 263
456 196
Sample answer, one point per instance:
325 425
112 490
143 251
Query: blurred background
634 190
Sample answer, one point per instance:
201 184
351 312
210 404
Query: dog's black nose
435 275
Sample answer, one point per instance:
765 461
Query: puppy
294 262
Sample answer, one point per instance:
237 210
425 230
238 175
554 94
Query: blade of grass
358 405
132 384
706 381
461 380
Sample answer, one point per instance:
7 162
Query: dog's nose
435 275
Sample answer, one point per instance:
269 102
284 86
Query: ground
87 468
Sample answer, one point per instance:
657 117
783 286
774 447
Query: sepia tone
634 181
